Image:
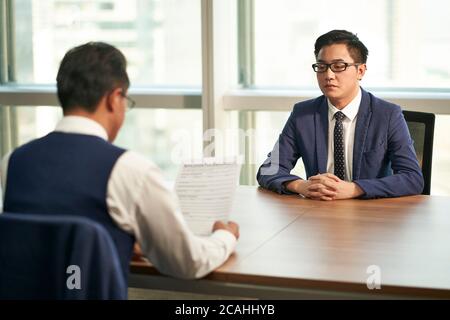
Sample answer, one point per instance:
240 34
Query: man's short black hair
356 48
87 73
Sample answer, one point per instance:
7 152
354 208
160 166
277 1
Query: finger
327 192
325 198
332 176
318 187
329 183
233 225
316 177
218 225
315 195
137 249
230 222
314 187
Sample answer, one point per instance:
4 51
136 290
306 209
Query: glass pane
440 173
159 38
166 136
36 122
406 40
267 130
271 124
163 136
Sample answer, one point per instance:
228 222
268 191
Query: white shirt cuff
227 238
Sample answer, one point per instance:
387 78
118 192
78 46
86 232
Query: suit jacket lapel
362 125
321 125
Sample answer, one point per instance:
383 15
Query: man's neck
93 116
342 103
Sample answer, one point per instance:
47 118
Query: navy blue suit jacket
36 251
384 160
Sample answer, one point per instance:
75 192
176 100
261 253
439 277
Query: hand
316 190
137 252
343 189
230 226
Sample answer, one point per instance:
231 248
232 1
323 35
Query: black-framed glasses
130 102
339 66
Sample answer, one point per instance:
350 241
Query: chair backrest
421 128
57 257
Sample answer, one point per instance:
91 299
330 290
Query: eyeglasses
321 67
130 102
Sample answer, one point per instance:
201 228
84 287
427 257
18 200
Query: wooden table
298 248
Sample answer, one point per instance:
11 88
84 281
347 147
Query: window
440 173
268 127
165 136
407 40
162 135
161 39
35 122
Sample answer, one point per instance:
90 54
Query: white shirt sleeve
140 203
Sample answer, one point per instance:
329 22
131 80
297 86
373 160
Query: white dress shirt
349 124
140 203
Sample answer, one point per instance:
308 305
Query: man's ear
113 99
361 71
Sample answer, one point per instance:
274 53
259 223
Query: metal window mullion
11 40
246 43
3 42
207 25
246 68
218 67
11 47
8 118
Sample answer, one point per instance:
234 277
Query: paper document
206 192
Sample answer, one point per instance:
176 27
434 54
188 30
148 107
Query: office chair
421 128
57 257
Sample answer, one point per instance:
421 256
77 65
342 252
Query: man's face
339 87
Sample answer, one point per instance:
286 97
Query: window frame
227 79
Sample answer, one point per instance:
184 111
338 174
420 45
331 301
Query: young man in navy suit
353 144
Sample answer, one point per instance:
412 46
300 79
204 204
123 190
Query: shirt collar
81 125
350 110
